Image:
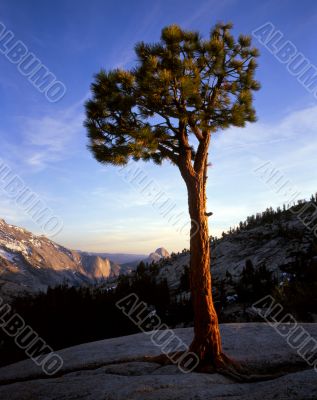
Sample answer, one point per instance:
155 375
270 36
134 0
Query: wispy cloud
209 6
51 138
287 139
11 213
124 51
48 138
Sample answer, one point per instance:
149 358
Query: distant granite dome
153 257
95 266
161 251
30 263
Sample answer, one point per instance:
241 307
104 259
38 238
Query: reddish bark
207 342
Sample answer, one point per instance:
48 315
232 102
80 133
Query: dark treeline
65 316
271 215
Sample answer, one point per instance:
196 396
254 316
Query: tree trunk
207 342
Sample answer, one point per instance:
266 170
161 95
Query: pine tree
182 90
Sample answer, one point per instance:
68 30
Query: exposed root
222 365
164 359
240 372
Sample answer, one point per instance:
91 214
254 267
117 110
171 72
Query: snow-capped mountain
30 263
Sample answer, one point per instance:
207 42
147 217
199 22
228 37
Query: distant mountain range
118 258
156 256
276 238
30 263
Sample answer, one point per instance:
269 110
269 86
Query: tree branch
168 153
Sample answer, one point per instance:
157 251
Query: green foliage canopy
183 85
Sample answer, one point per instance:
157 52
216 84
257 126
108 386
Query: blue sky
45 143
